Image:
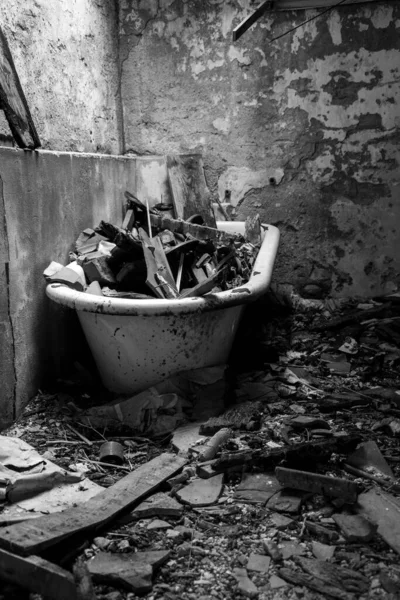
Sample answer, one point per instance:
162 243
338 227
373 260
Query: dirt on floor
310 385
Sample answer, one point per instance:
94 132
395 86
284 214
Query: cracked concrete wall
46 200
66 56
304 130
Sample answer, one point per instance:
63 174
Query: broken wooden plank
384 510
306 580
250 20
331 574
37 575
37 535
190 194
198 231
159 276
202 288
13 101
317 484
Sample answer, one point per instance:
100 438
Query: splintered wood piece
83 581
340 577
36 535
38 575
13 101
313 583
384 510
317 484
129 219
159 275
190 194
202 288
253 230
198 231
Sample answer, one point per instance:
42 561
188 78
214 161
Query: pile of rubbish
156 256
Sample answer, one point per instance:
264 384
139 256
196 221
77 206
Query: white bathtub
138 343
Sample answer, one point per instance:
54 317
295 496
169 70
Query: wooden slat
251 19
198 231
37 575
157 265
190 194
13 101
37 535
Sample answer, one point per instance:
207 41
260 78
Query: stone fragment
303 422
281 522
257 488
245 585
355 528
368 455
187 436
202 492
258 562
101 542
158 524
322 551
276 582
159 505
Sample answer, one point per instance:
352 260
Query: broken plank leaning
317 484
36 535
37 575
13 101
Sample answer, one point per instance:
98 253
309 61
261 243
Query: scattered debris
202 492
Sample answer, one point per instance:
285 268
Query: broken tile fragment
281 522
186 436
159 505
355 528
132 571
289 549
245 585
257 488
258 562
202 492
272 549
322 551
276 582
286 501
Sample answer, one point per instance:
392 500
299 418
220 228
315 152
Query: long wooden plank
37 575
157 265
13 101
198 231
37 535
190 194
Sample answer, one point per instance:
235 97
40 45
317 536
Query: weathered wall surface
46 200
65 53
304 130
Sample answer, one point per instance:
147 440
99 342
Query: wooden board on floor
13 101
37 575
37 535
190 194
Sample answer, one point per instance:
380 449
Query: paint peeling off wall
316 112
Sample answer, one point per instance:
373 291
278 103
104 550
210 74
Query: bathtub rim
257 285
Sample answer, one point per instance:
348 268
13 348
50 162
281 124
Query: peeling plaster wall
66 56
304 130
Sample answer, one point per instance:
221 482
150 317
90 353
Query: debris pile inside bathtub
156 256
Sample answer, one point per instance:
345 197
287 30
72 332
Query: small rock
276 582
202 492
159 505
258 562
101 542
322 551
245 585
113 596
291 549
123 546
158 524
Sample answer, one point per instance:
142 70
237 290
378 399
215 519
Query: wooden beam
250 20
13 101
37 535
37 575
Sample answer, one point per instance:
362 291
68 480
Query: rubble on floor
206 511
156 256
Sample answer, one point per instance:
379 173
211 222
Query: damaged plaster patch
238 54
382 17
239 181
306 33
335 27
222 125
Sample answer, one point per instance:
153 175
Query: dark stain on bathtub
117 329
